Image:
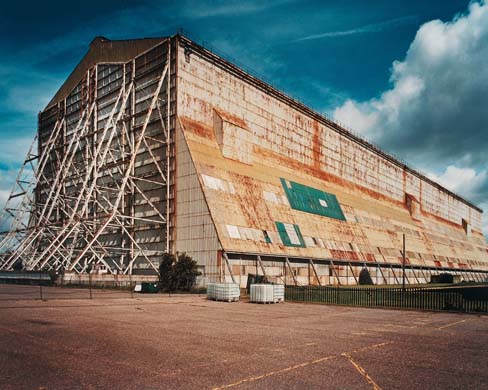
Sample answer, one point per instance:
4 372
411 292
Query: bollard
89 284
40 285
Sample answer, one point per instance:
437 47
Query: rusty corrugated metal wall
195 230
245 140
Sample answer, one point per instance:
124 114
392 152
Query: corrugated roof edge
239 72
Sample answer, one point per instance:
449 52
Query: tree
185 272
166 272
177 273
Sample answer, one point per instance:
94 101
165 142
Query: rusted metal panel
269 140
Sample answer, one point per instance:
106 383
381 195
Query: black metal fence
473 299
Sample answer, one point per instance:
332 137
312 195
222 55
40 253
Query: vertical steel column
335 273
227 262
403 264
315 271
132 171
169 178
291 271
262 268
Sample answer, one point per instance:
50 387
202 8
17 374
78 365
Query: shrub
185 272
365 277
166 272
177 273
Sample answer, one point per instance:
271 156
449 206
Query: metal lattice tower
98 189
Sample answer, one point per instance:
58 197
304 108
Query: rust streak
316 146
228 117
253 208
443 220
199 129
318 173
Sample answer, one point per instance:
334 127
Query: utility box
149 288
279 292
227 292
267 293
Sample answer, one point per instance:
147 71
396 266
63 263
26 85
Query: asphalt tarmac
114 341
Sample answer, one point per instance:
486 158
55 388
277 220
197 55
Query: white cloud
463 180
198 9
358 116
370 28
7 179
434 114
14 150
434 110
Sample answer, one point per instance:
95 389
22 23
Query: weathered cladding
205 89
109 79
287 132
109 82
195 230
276 128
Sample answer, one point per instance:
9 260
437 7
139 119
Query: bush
177 273
166 272
185 272
365 278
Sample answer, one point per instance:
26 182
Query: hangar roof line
102 49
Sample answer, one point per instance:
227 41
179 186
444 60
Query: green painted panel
290 234
312 200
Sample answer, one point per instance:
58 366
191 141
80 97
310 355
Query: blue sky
412 76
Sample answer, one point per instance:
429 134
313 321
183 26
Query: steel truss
418 272
97 193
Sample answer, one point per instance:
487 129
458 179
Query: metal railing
472 299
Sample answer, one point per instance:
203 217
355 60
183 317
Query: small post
256 265
130 283
284 266
403 264
89 268
40 284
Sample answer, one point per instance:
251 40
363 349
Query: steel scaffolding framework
98 190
